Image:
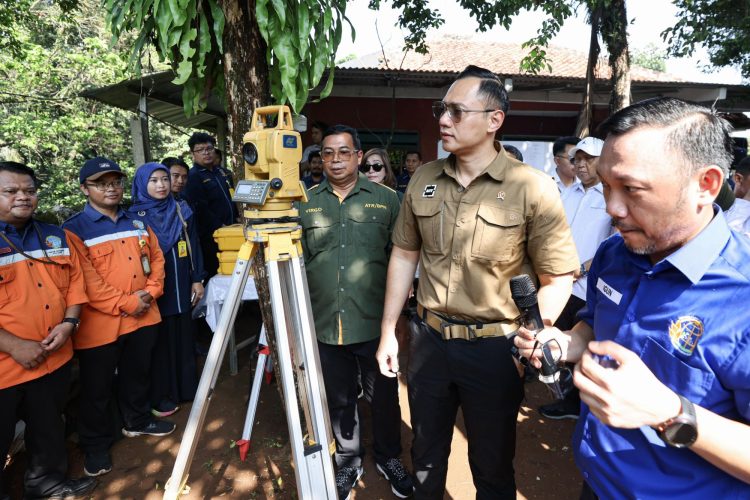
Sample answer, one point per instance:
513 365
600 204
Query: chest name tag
181 248
610 292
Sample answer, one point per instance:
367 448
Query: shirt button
39 285
341 289
130 258
460 189
342 246
46 306
631 317
134 276
342 310
453 290
342 267
31 264
343 225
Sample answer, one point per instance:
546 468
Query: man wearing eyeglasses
123 267
347 223
564 175
473 221
209 191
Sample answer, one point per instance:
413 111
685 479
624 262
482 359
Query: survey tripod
271 152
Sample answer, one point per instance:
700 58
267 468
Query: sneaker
346 479
394 471
560 409
152 428
165 408
96 464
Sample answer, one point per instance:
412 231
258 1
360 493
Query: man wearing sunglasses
473 221
347 223
209 192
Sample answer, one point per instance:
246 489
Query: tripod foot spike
244 446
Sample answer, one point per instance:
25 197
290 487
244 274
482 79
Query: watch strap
73 321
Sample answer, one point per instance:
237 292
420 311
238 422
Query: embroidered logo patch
138 224
685 332
429 191
53 242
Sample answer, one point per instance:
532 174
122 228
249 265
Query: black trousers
130 355
341 365
174 374
480 377
40 404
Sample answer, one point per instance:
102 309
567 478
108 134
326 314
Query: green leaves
187 33
302 37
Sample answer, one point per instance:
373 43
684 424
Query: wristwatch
73 321
680 431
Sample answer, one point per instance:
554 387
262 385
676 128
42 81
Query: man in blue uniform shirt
663 363
209 192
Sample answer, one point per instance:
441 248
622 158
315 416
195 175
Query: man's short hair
169 161
513 151
559 145
413 152
743 167
200 138
490 87
322 126
344 129
219 153
695 132
313 154
19 168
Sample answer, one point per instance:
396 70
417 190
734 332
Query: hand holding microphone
548 353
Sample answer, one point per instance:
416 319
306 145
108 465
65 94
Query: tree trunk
615 35
246 77
585 116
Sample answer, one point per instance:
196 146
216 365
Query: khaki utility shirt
346 245
472 240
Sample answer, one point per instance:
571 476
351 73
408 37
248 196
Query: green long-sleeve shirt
346 245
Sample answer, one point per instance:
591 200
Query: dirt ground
544 461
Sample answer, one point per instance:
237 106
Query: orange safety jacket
111 254
34 295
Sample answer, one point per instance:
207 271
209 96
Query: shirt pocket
498 232
369 228
320 234
688 381
101 257
60 274
7 275
430 221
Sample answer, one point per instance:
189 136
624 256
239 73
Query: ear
497 118
710 180
737 178
85 190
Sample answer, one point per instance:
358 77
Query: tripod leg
252 405
178 479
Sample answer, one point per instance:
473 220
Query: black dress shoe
73 488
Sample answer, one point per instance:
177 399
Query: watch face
681 434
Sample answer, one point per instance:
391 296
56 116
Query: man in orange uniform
124 272
41 292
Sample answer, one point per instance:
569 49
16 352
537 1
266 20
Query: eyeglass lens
374 166
343 154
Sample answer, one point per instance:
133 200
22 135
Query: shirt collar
362 183
96 215
697 256
496 168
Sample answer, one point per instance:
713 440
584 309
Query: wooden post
140 135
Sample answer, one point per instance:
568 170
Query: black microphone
523 292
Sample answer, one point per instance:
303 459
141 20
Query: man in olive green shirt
347 223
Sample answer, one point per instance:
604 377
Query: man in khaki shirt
475 220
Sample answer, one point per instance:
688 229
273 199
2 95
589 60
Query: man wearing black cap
124 272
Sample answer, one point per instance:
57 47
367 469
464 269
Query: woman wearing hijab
174 376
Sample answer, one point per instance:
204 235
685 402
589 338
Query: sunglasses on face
375 166
455 112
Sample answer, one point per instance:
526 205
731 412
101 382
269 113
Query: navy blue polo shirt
208 192
685 318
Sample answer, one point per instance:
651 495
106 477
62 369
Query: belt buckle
446 329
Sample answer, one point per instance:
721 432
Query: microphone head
523 291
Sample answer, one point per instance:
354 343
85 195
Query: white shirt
590 226
570 195
738 216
